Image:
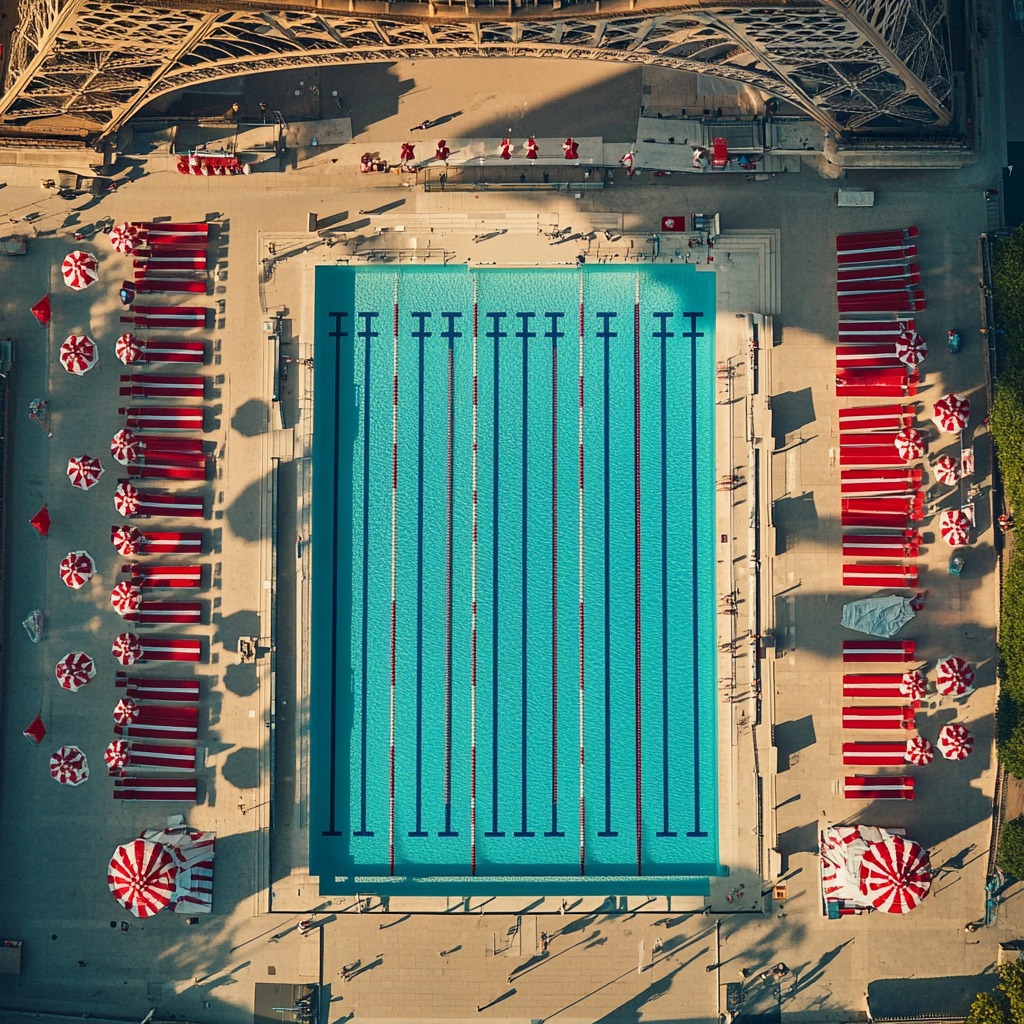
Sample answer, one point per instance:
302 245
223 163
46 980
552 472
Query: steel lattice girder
850 64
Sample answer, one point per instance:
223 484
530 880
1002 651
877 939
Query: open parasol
74 670
919 751
41 521
126 599
42 311
951 413
127 539
79 354
955 527
79 270
912 685
125 711
946 470
911 348
955 742
84 471
117 756
77 568
125 446
142 876
126 648
126 500
910 444
953 677
69 766
35 730
895 875
125 238
128 349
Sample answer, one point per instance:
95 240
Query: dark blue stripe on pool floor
607 831
366 571
419 831
523 334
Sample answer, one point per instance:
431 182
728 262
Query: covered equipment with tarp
878 616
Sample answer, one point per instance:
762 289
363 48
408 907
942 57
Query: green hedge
1004 1004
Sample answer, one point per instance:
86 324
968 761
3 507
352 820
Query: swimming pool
513 599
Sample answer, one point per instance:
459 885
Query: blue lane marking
419 830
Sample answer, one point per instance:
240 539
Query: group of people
570 149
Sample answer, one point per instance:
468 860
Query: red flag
36 731
42 312
41 521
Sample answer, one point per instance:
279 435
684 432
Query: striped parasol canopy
125 238
128 349
955 527
951 413
126 648
895 875
919 751
126 500
946 470
126 599
125 711
143 877
74 670
79 354
913 685
84 471
79 270
125 446
911 348
910 444
127 539
953 677
955 742
117 755
69 766
76 569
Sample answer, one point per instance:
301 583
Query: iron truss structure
853 65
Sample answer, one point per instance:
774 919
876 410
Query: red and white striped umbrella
951 413
895 875
946 470
909 443
74 670
953 677
128 349
125 446
125 238
126 599
955 742
955 527
126 648
79 270
79 354
77 568
126 711
911 348
143 877
913 684
127 539
919 751
126 500
84 471
69 766
116 755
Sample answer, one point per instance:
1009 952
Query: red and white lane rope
394 549
472 719
636 536
582 805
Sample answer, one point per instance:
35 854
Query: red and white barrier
879 650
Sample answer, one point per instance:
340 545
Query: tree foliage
1011 848
990 1008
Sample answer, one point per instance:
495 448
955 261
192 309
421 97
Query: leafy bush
1004 1004
1011 847
990 1008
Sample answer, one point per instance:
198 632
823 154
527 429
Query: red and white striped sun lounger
904 285
899 545
172 351
153 284
881 481
162 385
173 577
879 650
178 506
877 383
155 318
890 272
179 235
157 722
164 613
877 417
883 302
880 718
858 239
168 543
172 691
876 255
179 790
878 330
166 418
157 468
897 513
168 258
879 787
154 756
162 649
868 450
879 575
848 356
873 686
875 755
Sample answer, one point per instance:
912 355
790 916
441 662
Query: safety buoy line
472 720
582 805
448 600
394 549
636 536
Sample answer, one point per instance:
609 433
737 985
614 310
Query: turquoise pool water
451 756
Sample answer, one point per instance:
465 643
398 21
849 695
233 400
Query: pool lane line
448 597
583 816
419 831
553 319
636 536
472 719
394 550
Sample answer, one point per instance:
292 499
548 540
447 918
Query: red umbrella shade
79 270
126 599
955 742
125 446
911 348
127 539
955 527
142 876
79 354
42 312
128 349
74 670
41 521
912 685
125 238
69 766
126 648
946 470
909 443
953 677
951 413
126 500
125 711
116 755
919 751
895 875
84 471
77 568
